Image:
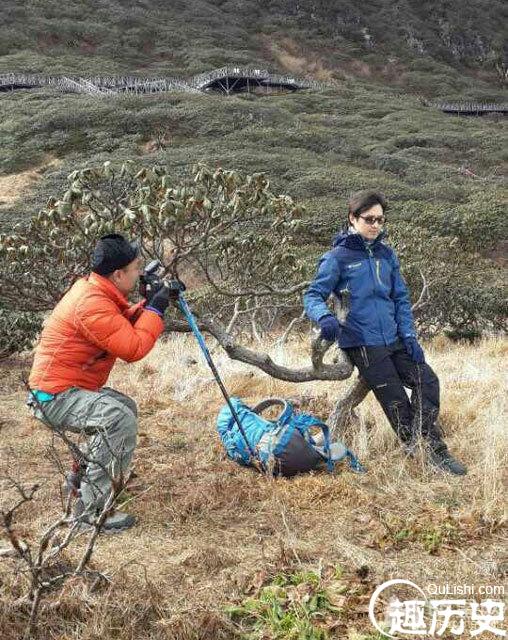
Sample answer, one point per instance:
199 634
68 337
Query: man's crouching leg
113 420
110 418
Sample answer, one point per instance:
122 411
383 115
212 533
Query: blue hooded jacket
380 308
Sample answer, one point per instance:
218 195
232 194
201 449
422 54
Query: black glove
159 301
150 288
414 350
330 328
175 288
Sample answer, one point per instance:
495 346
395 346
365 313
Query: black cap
113 252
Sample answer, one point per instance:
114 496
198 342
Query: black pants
387 370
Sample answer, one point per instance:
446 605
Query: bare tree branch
424 297
339 371
234 317
42 557
290 327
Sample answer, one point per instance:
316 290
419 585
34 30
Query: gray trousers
110 419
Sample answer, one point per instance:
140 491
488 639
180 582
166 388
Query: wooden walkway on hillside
226 80
93 85
14 81
237 79
472 108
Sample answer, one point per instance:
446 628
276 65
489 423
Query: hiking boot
117 522
440 458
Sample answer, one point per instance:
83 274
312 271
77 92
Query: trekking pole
184 307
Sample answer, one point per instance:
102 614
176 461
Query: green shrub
18 330
393 164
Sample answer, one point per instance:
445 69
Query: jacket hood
353 240
339 238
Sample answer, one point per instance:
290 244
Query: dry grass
209 531
291 57
14 186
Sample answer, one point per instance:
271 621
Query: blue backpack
284 446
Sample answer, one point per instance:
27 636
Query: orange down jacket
87 331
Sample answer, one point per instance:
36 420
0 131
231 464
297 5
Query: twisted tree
227 235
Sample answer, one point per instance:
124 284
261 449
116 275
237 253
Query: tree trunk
343 418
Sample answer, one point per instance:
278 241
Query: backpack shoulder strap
286 408
306 422
354 464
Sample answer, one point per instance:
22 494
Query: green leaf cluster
291 607
226 230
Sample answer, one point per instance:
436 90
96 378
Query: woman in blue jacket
378 332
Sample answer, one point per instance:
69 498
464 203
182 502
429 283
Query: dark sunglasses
371 220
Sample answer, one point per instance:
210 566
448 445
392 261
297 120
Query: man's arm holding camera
134 311
130 334
111 331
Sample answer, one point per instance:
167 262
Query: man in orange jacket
92 326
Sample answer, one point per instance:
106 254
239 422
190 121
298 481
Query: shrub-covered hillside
418 44
442 174
219 552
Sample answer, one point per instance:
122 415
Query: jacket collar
109 289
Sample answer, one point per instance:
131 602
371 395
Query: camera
152 280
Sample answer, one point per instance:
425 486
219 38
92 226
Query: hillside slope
443 175
395 40
215 542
